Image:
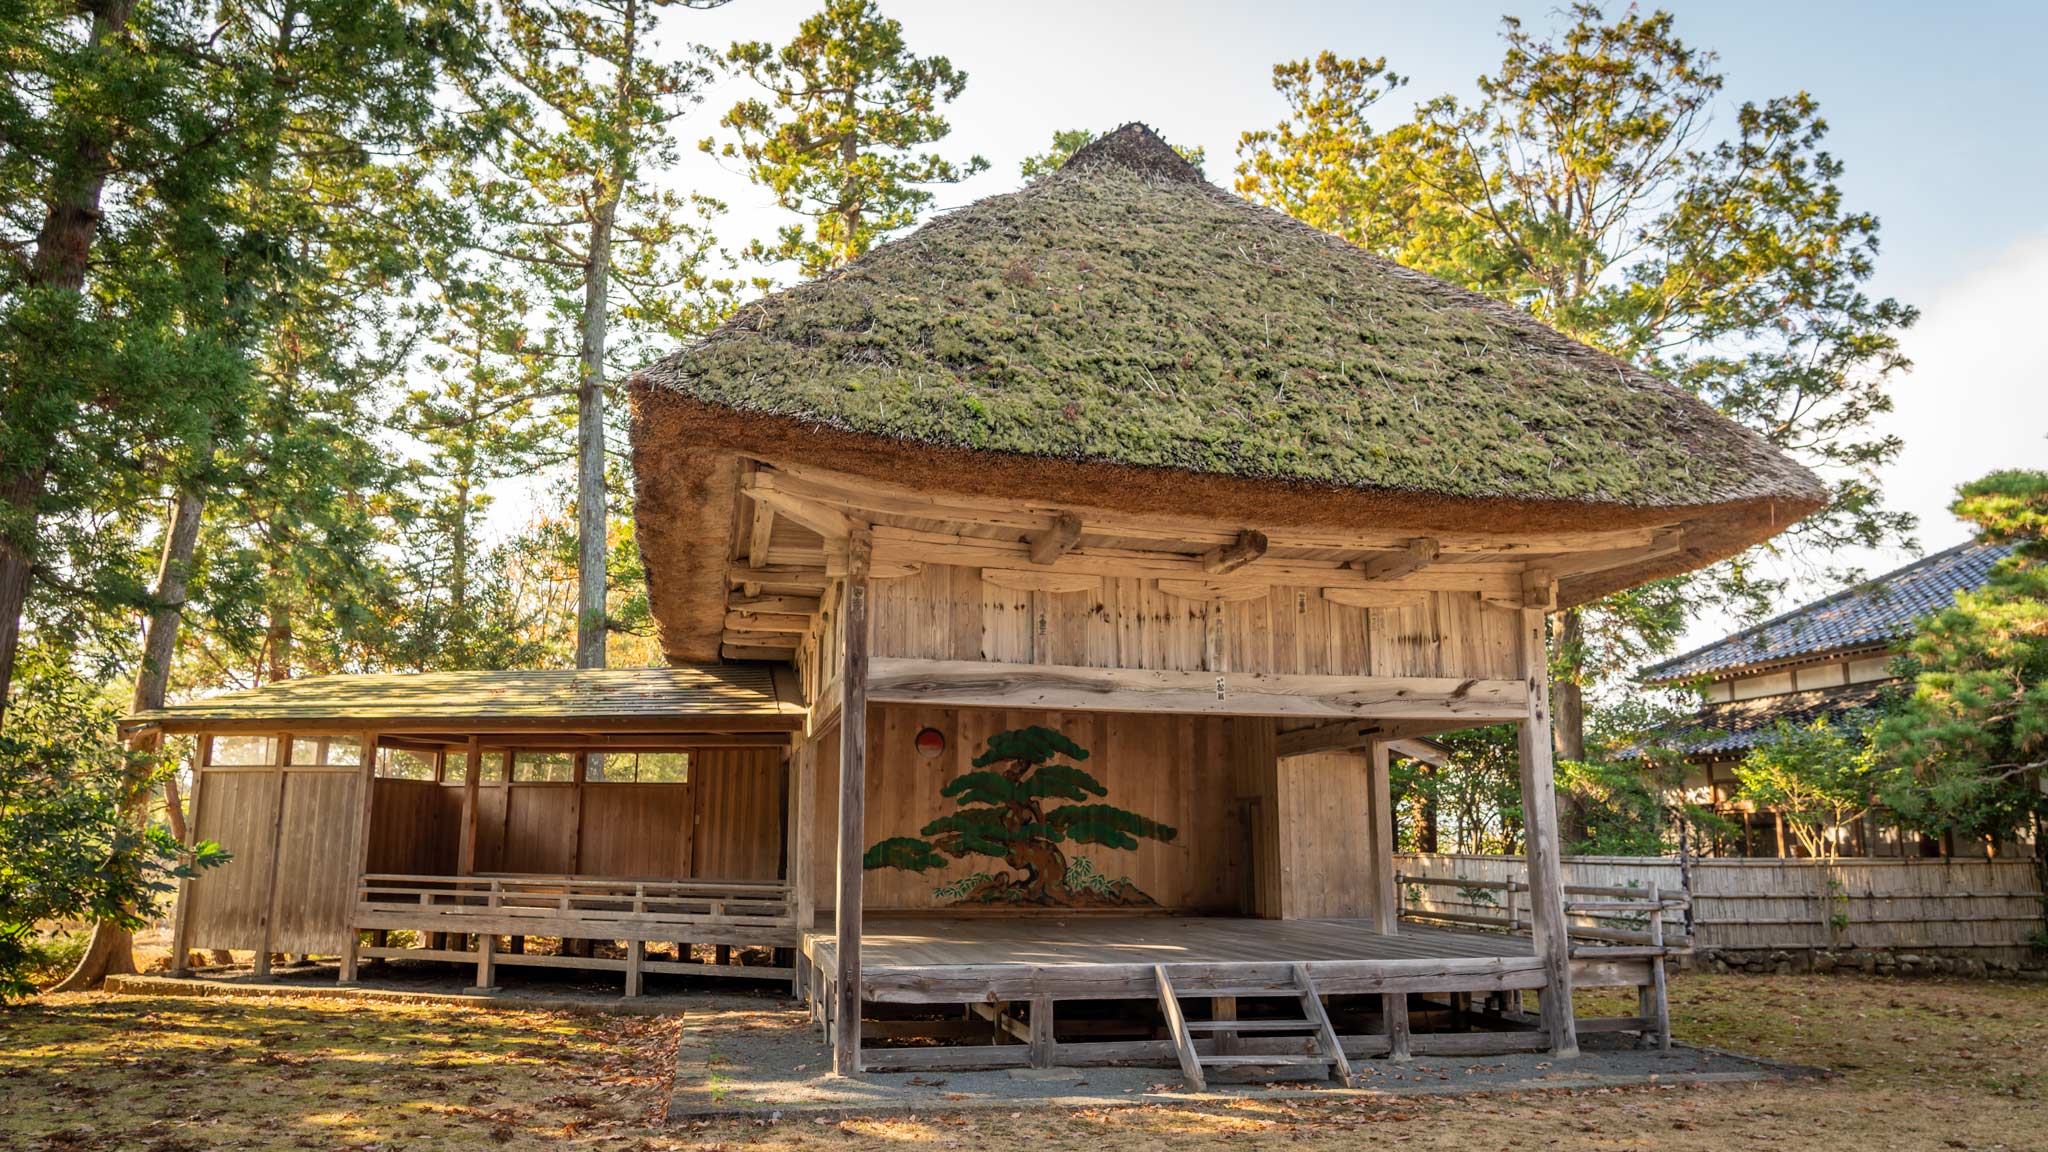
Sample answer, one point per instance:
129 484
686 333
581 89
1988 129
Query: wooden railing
754 904
1625 921
462 918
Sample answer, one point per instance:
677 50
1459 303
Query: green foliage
1817 777
1065 144
850 107
70 848
1588 183
1969 746
1621 809
1002 815
1033 745
1471 804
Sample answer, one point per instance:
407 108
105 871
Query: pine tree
850 107
1586 184
584 107
1968 751
1003 815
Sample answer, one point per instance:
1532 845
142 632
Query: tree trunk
112 951
63 249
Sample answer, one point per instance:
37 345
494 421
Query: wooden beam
1364 597
1416 555
797 605
749 650
783 622
1055 541
907 545
1663 542
853 729
829 523
787 641
788 579
1214 591
974 683
1548 926
1055 582
1227 558
1335 736
761 532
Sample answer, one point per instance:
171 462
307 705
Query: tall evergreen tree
851 104
585 104
1587 183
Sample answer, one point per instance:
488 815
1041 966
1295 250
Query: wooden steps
1329 1054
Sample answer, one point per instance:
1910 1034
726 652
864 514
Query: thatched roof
1123 335
1124 311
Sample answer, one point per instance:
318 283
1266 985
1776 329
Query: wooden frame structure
464 852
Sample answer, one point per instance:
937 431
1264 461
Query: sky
1934 110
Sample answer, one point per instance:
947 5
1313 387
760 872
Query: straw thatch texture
1123 311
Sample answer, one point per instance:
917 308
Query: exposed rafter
1227 558
1416 555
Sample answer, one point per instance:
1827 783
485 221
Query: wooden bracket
1057 540
1224 558
1419 553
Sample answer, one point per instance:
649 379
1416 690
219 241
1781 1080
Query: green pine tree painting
1003 815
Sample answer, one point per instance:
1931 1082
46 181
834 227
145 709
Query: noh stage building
1044 592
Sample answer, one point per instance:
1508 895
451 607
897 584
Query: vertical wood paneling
636 831
228 903
1325 860
315 868
740 809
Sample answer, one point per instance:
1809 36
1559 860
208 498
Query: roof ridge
1134 147
1814 606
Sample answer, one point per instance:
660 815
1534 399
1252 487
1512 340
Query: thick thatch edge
688 454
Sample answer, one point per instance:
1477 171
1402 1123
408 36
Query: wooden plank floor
1051 940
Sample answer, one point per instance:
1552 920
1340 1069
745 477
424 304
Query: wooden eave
607 706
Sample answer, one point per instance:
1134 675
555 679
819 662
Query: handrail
1651 903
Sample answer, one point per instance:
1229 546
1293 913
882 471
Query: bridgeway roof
652 699
1874 614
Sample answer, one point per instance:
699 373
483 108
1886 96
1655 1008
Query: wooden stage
977 958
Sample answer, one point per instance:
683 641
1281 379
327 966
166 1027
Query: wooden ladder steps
1251 1025
1329 1053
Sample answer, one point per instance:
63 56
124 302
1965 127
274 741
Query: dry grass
1925 1065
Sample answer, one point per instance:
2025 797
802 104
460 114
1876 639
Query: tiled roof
1876 612
1740 725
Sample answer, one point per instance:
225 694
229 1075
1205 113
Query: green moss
1107 315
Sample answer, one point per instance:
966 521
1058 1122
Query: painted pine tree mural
1003 816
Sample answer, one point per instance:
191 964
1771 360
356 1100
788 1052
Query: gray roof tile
1879 611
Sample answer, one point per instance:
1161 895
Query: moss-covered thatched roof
1125 312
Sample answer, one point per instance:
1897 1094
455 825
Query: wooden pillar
181 922
1539 813
805 837
366 785
579 774
853 735
1386 899
1042 1047
472 775
261 965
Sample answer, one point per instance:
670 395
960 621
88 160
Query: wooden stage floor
953 959
1044 939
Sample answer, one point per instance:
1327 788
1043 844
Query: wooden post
1659 994
579 774
853 736
181 923
261 965
472 774
793 822
1386 898
805 836
1548 927
1394 1006
1224 1008
1041 1032
366 786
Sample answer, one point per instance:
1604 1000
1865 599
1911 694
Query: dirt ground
1924 1065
